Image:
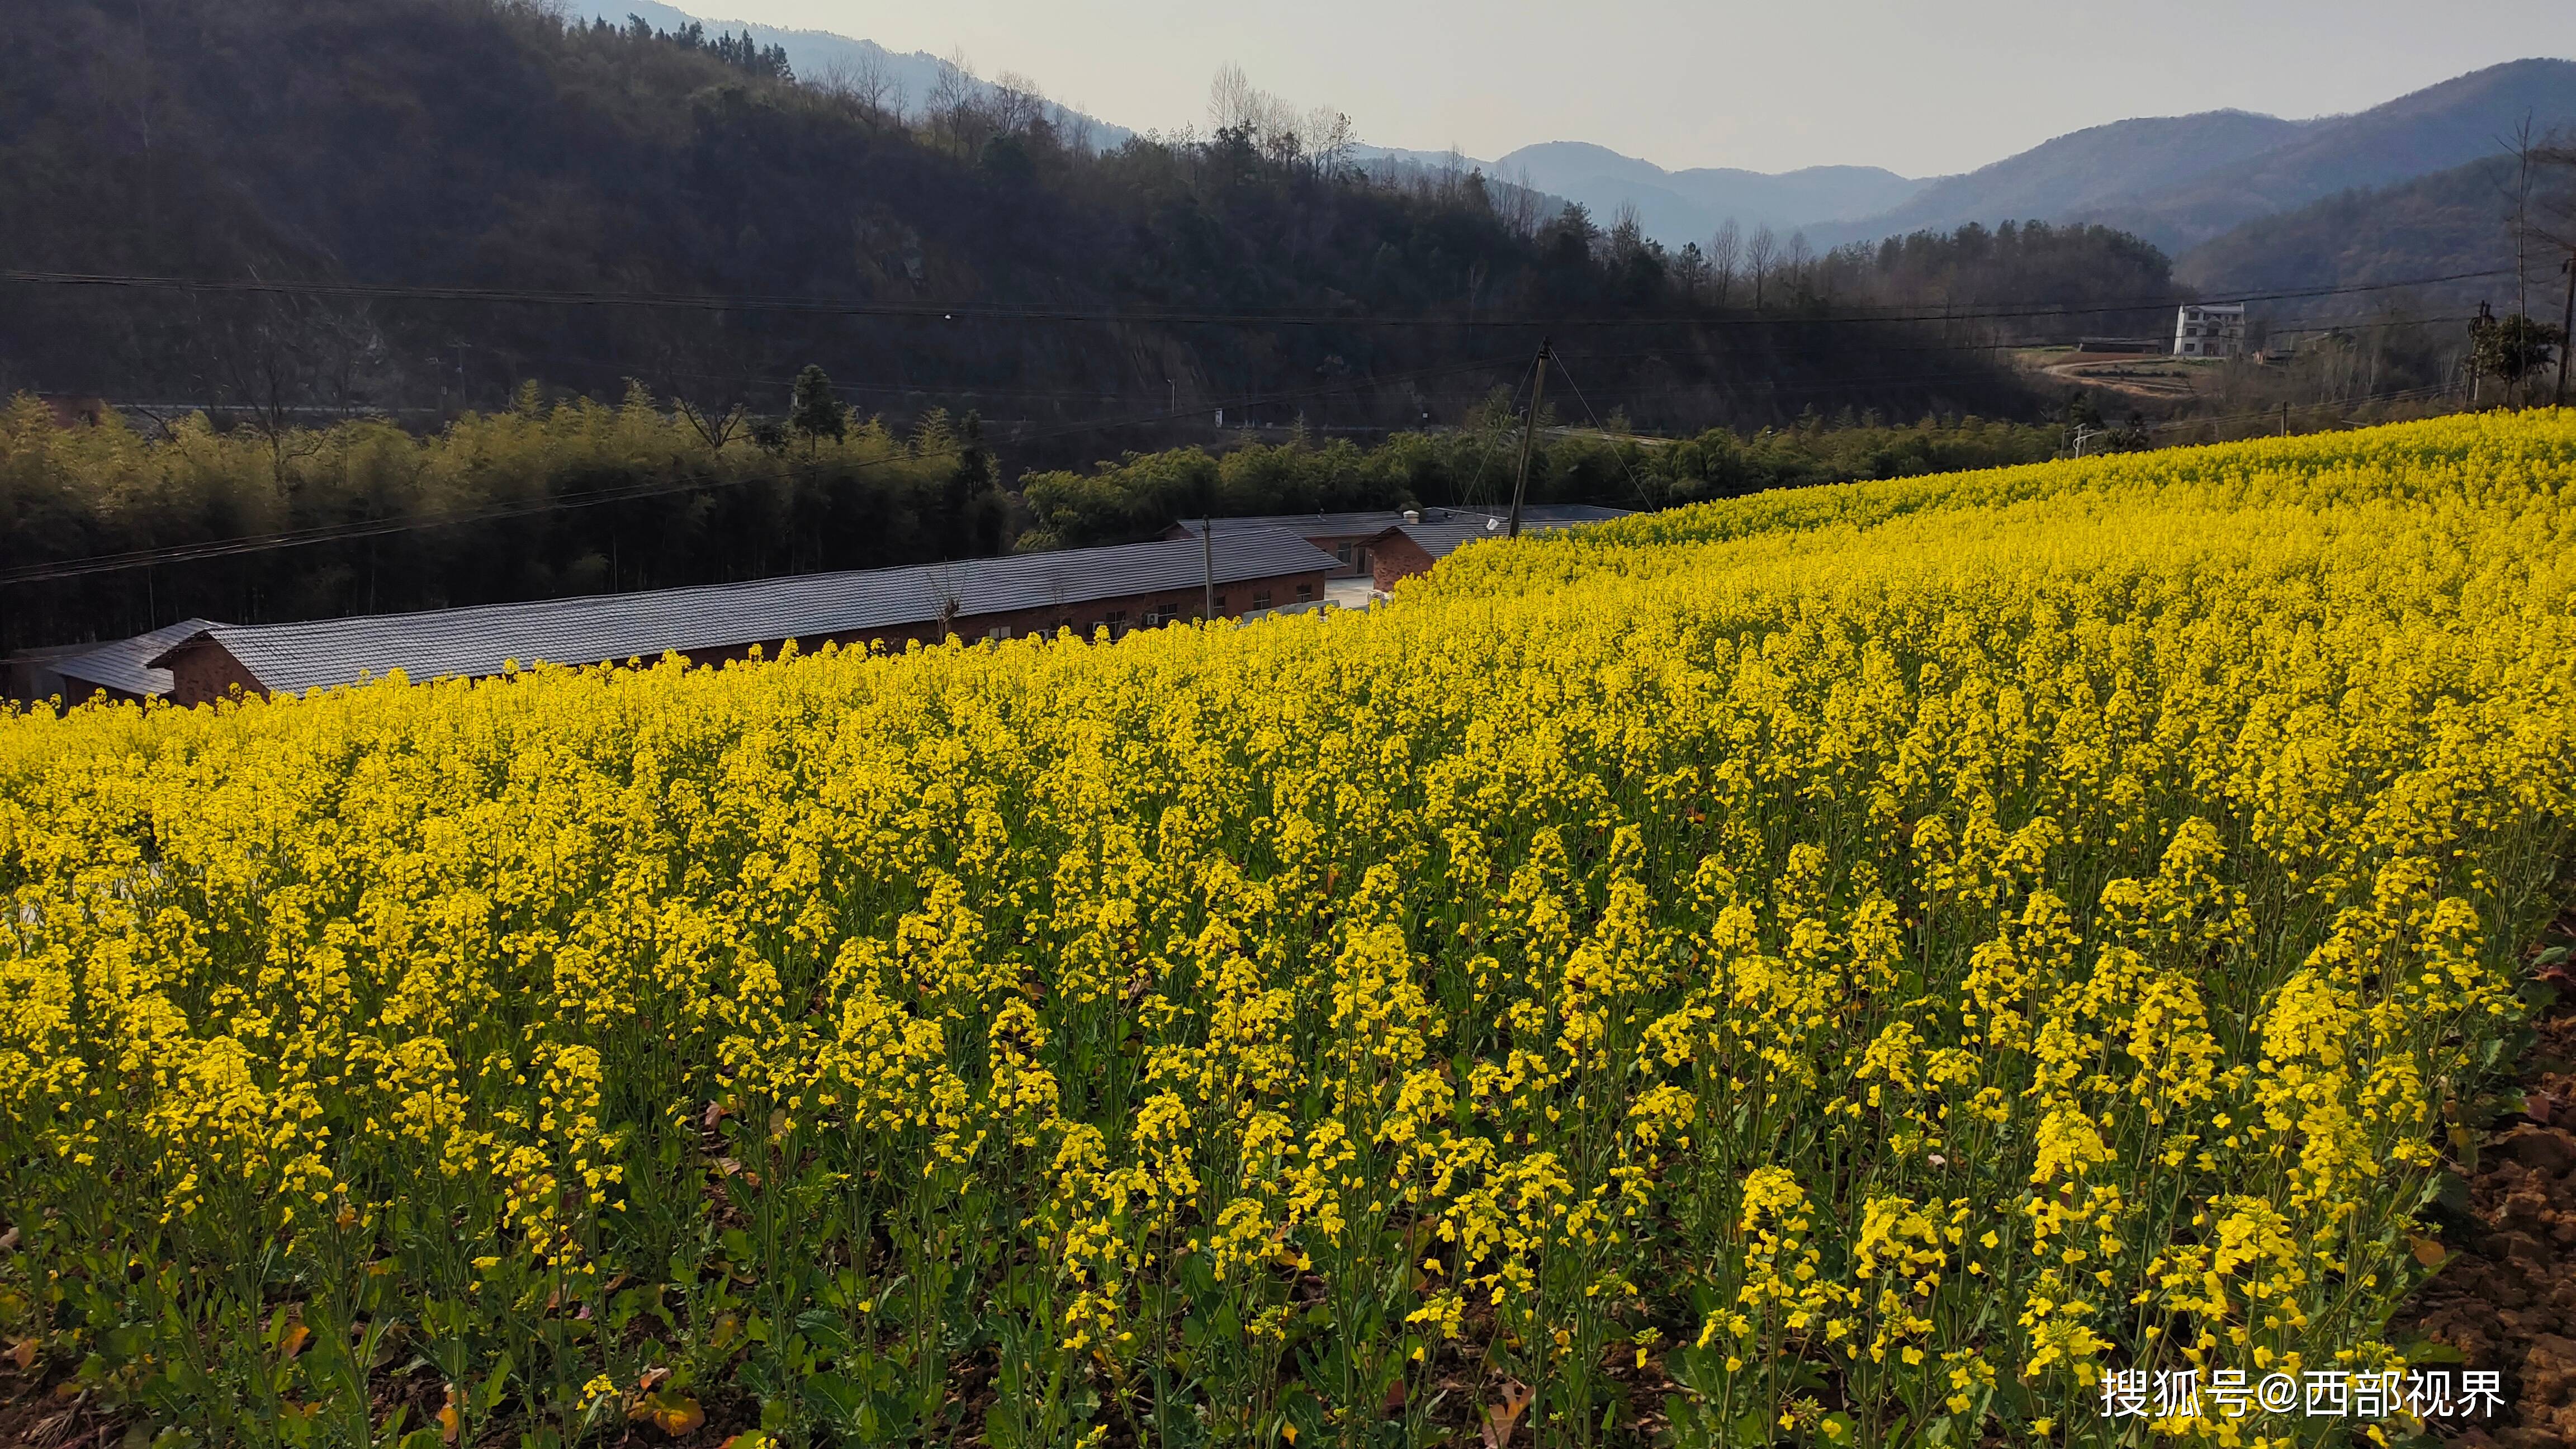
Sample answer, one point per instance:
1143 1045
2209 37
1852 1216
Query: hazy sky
1918 86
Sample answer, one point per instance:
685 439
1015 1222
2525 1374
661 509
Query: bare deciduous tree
1760 255
950 107
1725 253
872 88
1520 204
1017 103
1232 102
1330 135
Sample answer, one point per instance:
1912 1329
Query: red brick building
1348 536
1412 548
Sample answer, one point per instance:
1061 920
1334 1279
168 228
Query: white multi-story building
2216 330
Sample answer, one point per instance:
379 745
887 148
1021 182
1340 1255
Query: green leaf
835 1400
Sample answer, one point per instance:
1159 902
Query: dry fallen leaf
23 1354
2429 1252
1502 1418
295 1337
675 1414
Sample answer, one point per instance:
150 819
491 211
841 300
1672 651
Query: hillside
1686 206
909 78
2179 181
2081 175
2443 224
461 143
2434 129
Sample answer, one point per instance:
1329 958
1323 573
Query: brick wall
1393 556
202 671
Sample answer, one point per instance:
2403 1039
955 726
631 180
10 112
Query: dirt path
2506 1294
2144 377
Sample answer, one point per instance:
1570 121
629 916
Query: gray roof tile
480 640
127 664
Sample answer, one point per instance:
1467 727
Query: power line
1028 313
376 528
1615 451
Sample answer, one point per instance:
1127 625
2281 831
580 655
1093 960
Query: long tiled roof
1375 520
481 640
127 664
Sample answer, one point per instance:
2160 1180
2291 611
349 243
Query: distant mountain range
1679 206
824 58
2076 176
2178 181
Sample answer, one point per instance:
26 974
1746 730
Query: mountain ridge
824 57
2439 127
2065 177
2177 181
1687 205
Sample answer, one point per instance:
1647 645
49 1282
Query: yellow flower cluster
1909 946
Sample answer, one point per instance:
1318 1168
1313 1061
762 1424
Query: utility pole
1207 555
2285 417
1529 435
2566 331
2478 326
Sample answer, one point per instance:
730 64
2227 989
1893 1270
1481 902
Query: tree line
492 145
505 505
698 498
1476 466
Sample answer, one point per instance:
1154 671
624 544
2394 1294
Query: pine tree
815 412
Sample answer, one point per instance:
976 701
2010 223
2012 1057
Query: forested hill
495 145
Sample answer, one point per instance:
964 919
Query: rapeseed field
1963 960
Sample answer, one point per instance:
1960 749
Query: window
1220 603
1342 551
1261 598
1116 619
998 631
1305 592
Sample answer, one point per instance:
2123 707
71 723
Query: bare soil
2506 1293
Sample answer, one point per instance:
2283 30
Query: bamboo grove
1853 965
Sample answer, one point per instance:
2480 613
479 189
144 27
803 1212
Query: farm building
27 677
124 670
1119 588
121 671
1413 546
1343 535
